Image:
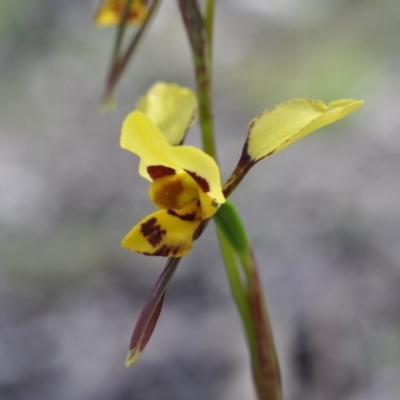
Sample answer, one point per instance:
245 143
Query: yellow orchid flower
186 186
185 182
110 12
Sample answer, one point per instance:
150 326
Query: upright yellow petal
171 107
167 233
141 136
110 12
280 126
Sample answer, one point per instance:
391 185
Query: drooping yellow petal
167 233
280 126
141 136
171 107
110 12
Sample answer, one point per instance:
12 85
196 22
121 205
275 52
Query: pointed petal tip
346 102
107 104
132 356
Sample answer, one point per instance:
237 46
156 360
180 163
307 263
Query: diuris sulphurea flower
185 181
185 185
110 12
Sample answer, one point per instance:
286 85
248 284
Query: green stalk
209 24
201 53
231 234
238 293
264 361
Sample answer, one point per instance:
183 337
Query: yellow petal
141 136
280 126
167 233
110 12
208 206
171 107
173 191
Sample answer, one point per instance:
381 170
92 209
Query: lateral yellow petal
167 233
280 126
141 136
110 13
171 107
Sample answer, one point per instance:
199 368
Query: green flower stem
259 335
232 236
238 293
209 23
199 43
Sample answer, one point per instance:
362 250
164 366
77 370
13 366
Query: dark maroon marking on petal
184 217
245 159
158 171
166 251
152 324
166 196
200 181
140 327
163 251
152 231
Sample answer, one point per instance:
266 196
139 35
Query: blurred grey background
323 215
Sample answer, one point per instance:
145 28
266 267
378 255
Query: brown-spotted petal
167 233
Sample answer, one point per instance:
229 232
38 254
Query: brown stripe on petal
152 231
167 195
158 171
166 251
184 217
245 158
200 181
